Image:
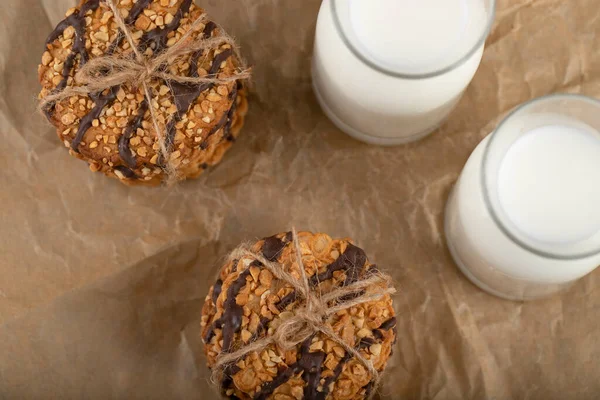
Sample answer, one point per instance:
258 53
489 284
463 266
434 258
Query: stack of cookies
248 303
113 130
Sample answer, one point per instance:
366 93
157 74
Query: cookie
248 304
113 130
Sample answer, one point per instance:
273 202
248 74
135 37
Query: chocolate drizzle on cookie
100 100
231 320
184 95
273 246
124 150
386 326
137 10
309 364
127 173
77 21
232 316
352 261
218 286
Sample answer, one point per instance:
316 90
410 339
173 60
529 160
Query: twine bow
312 317
109 71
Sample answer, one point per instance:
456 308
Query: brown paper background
101 285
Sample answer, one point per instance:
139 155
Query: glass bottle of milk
389 72
523 220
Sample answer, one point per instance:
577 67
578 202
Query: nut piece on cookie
114 130
249 304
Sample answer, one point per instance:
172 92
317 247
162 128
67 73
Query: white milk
548 186
367 59
549 183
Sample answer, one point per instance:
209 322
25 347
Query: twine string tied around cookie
105 72
102 73
312 317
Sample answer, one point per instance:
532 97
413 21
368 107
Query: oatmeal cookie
248 303
113 130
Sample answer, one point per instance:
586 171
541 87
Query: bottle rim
486 181
404 75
